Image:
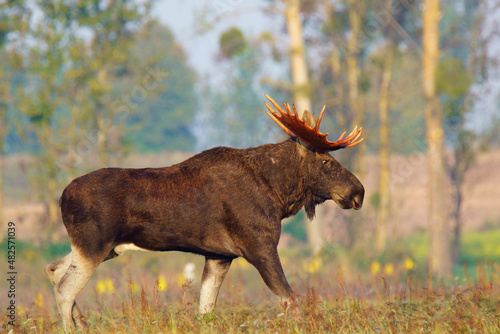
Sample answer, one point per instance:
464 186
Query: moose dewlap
223 203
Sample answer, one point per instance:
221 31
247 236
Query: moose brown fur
223 203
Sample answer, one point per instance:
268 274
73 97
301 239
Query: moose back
223 203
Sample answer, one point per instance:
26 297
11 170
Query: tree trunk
301 98
384 203
300 76
102 124
457 219
353 73
50 184
440 259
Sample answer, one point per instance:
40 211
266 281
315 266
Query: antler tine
276 105
352 136
350 140
316 127
355 143
273 115
294 110
353 131
341 136
288 109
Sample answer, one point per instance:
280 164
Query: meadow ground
149 293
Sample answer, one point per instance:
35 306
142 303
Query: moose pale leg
55 272
74 280
213 275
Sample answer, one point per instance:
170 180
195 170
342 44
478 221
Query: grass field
391 293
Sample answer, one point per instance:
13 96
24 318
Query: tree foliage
232 42
161 120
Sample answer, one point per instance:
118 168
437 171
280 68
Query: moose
222 203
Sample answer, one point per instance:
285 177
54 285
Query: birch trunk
353 74
440 258
101 122
384 204
302 101
354 226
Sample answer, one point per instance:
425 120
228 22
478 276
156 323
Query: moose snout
352 199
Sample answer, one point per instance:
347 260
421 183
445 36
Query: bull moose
222 203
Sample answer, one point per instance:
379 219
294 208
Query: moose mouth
355 203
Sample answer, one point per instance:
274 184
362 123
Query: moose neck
285 170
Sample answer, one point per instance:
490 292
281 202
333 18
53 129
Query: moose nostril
357 202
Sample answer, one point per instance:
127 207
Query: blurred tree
389 18
13 19
440 251
161 117
301 99
112 26
466 45
39 100
74 53
232 42
356 9
232 107
384 190
344 29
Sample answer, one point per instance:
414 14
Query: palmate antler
295 127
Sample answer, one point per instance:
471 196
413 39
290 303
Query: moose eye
325 162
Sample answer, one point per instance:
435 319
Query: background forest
86 84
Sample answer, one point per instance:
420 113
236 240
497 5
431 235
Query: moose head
328 178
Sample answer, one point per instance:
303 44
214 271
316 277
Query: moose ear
308 118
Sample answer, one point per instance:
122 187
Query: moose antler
296 127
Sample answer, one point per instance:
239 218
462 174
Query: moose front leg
213 274
268 263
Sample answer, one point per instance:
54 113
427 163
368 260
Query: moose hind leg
214 272
55 271
79 271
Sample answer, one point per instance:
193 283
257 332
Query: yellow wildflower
38 300
110 287
313 266
241 263
388 269
162 283
101 287
409 264
375 267
133 287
